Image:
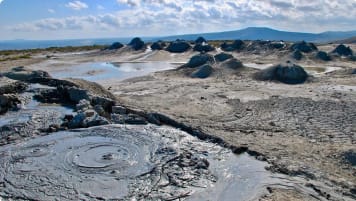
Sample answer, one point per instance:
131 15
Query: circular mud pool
128 162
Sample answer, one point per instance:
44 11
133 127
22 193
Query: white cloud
169 17
51 11
77 5
100 7
1 1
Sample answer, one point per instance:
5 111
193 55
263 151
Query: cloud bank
77 5
165 17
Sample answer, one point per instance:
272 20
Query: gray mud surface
120 162
131 162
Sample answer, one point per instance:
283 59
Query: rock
77 120
134 119
200 40
352 58
77 94
119 110
87 118
95 120
83 105
297 55
304 47
222 57
58 95
323 56
203 48
342 50
178 46
117 118
203 72
128 119
350 157
136 44
232 63
199 60
287 73
153 119
23 74
106 103
8 86
277 45
156 46
100 110
236 45
115 46
8 102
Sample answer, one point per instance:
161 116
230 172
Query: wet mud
130 163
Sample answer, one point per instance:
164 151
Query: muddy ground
303 130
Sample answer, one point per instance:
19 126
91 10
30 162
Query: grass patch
17 57
29 52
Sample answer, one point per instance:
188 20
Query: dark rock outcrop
200 40
222 57
350 157
236 45
203 48
76 94
276 45
8 102
178 46
156 46
128 119
137 44
23 74
304 47
88 118
203 72
232 63
323 56
288 73
8 86
297 55
353 71
199 60
342 50
115 46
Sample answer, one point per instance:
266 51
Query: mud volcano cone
288 73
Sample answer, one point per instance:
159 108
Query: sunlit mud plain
266 140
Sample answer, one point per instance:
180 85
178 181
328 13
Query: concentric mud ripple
108 162
117 162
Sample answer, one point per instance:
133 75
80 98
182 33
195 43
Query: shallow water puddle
32 109
321 70
105 71
129 162
260 66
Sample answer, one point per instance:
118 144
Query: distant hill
351 40
262 33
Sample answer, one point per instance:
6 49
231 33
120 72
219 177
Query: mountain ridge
265 33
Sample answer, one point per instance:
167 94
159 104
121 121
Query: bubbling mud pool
133 162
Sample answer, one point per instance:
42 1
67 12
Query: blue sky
64 19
